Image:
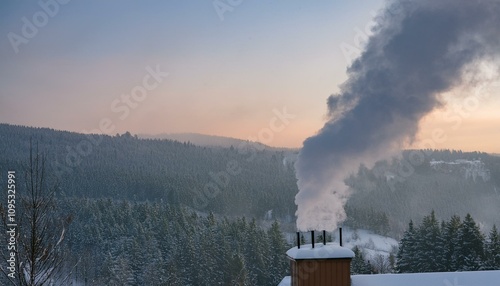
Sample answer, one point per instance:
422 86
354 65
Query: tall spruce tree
277 262
460 246
238 271
450 238
405 256
493 250
359 264
255 252
470 248
428 245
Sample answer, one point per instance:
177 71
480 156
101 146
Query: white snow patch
268 215
471 169
287 281
320 251
289 158
370 243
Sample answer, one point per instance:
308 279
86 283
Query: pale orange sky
225 75
469 122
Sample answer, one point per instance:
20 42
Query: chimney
323 264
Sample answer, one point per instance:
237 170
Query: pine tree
123 273
383 224
238 271
405 256
117 271
370 266
392 262
425 250
381 264
450 238
492 250
255 253
359 265
155 272
278 264
207 262
428 246
470 248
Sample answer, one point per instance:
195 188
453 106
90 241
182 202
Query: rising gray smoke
419 49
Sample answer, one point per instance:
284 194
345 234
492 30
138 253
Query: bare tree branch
40 233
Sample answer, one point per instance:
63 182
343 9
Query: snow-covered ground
370 243
287 281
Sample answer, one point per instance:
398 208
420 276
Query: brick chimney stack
325 264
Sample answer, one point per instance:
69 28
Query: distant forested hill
448 182
242 180
247 180
207 140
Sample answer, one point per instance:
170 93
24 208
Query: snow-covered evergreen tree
405 257
451 246
359 265
256 252
492 250
429 245
470 247
450 238
238 271
276 260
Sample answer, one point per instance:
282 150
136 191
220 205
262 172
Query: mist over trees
241 180
158 210
247 180
449 182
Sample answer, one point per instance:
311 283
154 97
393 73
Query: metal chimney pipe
340 235
298 239
324 237
312 238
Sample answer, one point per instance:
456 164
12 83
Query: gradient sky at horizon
225 75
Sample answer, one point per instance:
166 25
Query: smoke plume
419 49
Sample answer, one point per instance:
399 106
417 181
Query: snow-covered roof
472 278
287 281
320 251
